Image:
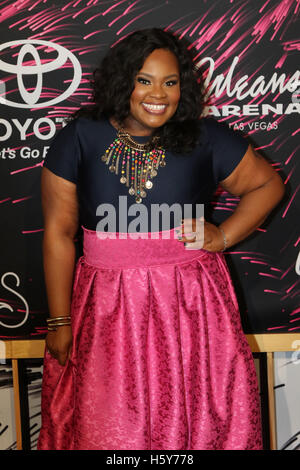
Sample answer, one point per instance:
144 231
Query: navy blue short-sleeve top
76 151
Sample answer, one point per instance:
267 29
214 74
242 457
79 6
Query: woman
155 356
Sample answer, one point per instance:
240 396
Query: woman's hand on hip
59 343
199 234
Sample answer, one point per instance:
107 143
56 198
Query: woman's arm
260 189
60 211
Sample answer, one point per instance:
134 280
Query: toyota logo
31 99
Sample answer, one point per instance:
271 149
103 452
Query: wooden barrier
262 343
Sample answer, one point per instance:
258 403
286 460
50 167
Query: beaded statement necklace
139 164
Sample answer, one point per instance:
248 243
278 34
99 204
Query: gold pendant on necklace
138 164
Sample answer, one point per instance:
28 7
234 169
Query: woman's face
156 95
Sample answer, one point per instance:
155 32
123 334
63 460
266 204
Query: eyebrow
151 76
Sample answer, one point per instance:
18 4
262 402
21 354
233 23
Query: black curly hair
113 83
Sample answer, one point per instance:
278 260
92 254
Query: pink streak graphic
25 232
276 328
27 168
292 287
268 275
297 310
135 19
295 319
12 10
290 202
20 200
112 7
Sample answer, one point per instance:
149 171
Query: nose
158 91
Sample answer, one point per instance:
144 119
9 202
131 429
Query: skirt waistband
103 249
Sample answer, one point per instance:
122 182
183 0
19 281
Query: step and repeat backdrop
248 52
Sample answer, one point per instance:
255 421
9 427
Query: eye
143 80
172 82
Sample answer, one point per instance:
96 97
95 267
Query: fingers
187 237
198 245
61 357
191 233
59 344
195 226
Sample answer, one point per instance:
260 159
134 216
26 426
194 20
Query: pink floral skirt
159 359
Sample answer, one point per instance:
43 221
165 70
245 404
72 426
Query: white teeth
154 107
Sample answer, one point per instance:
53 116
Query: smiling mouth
154 108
